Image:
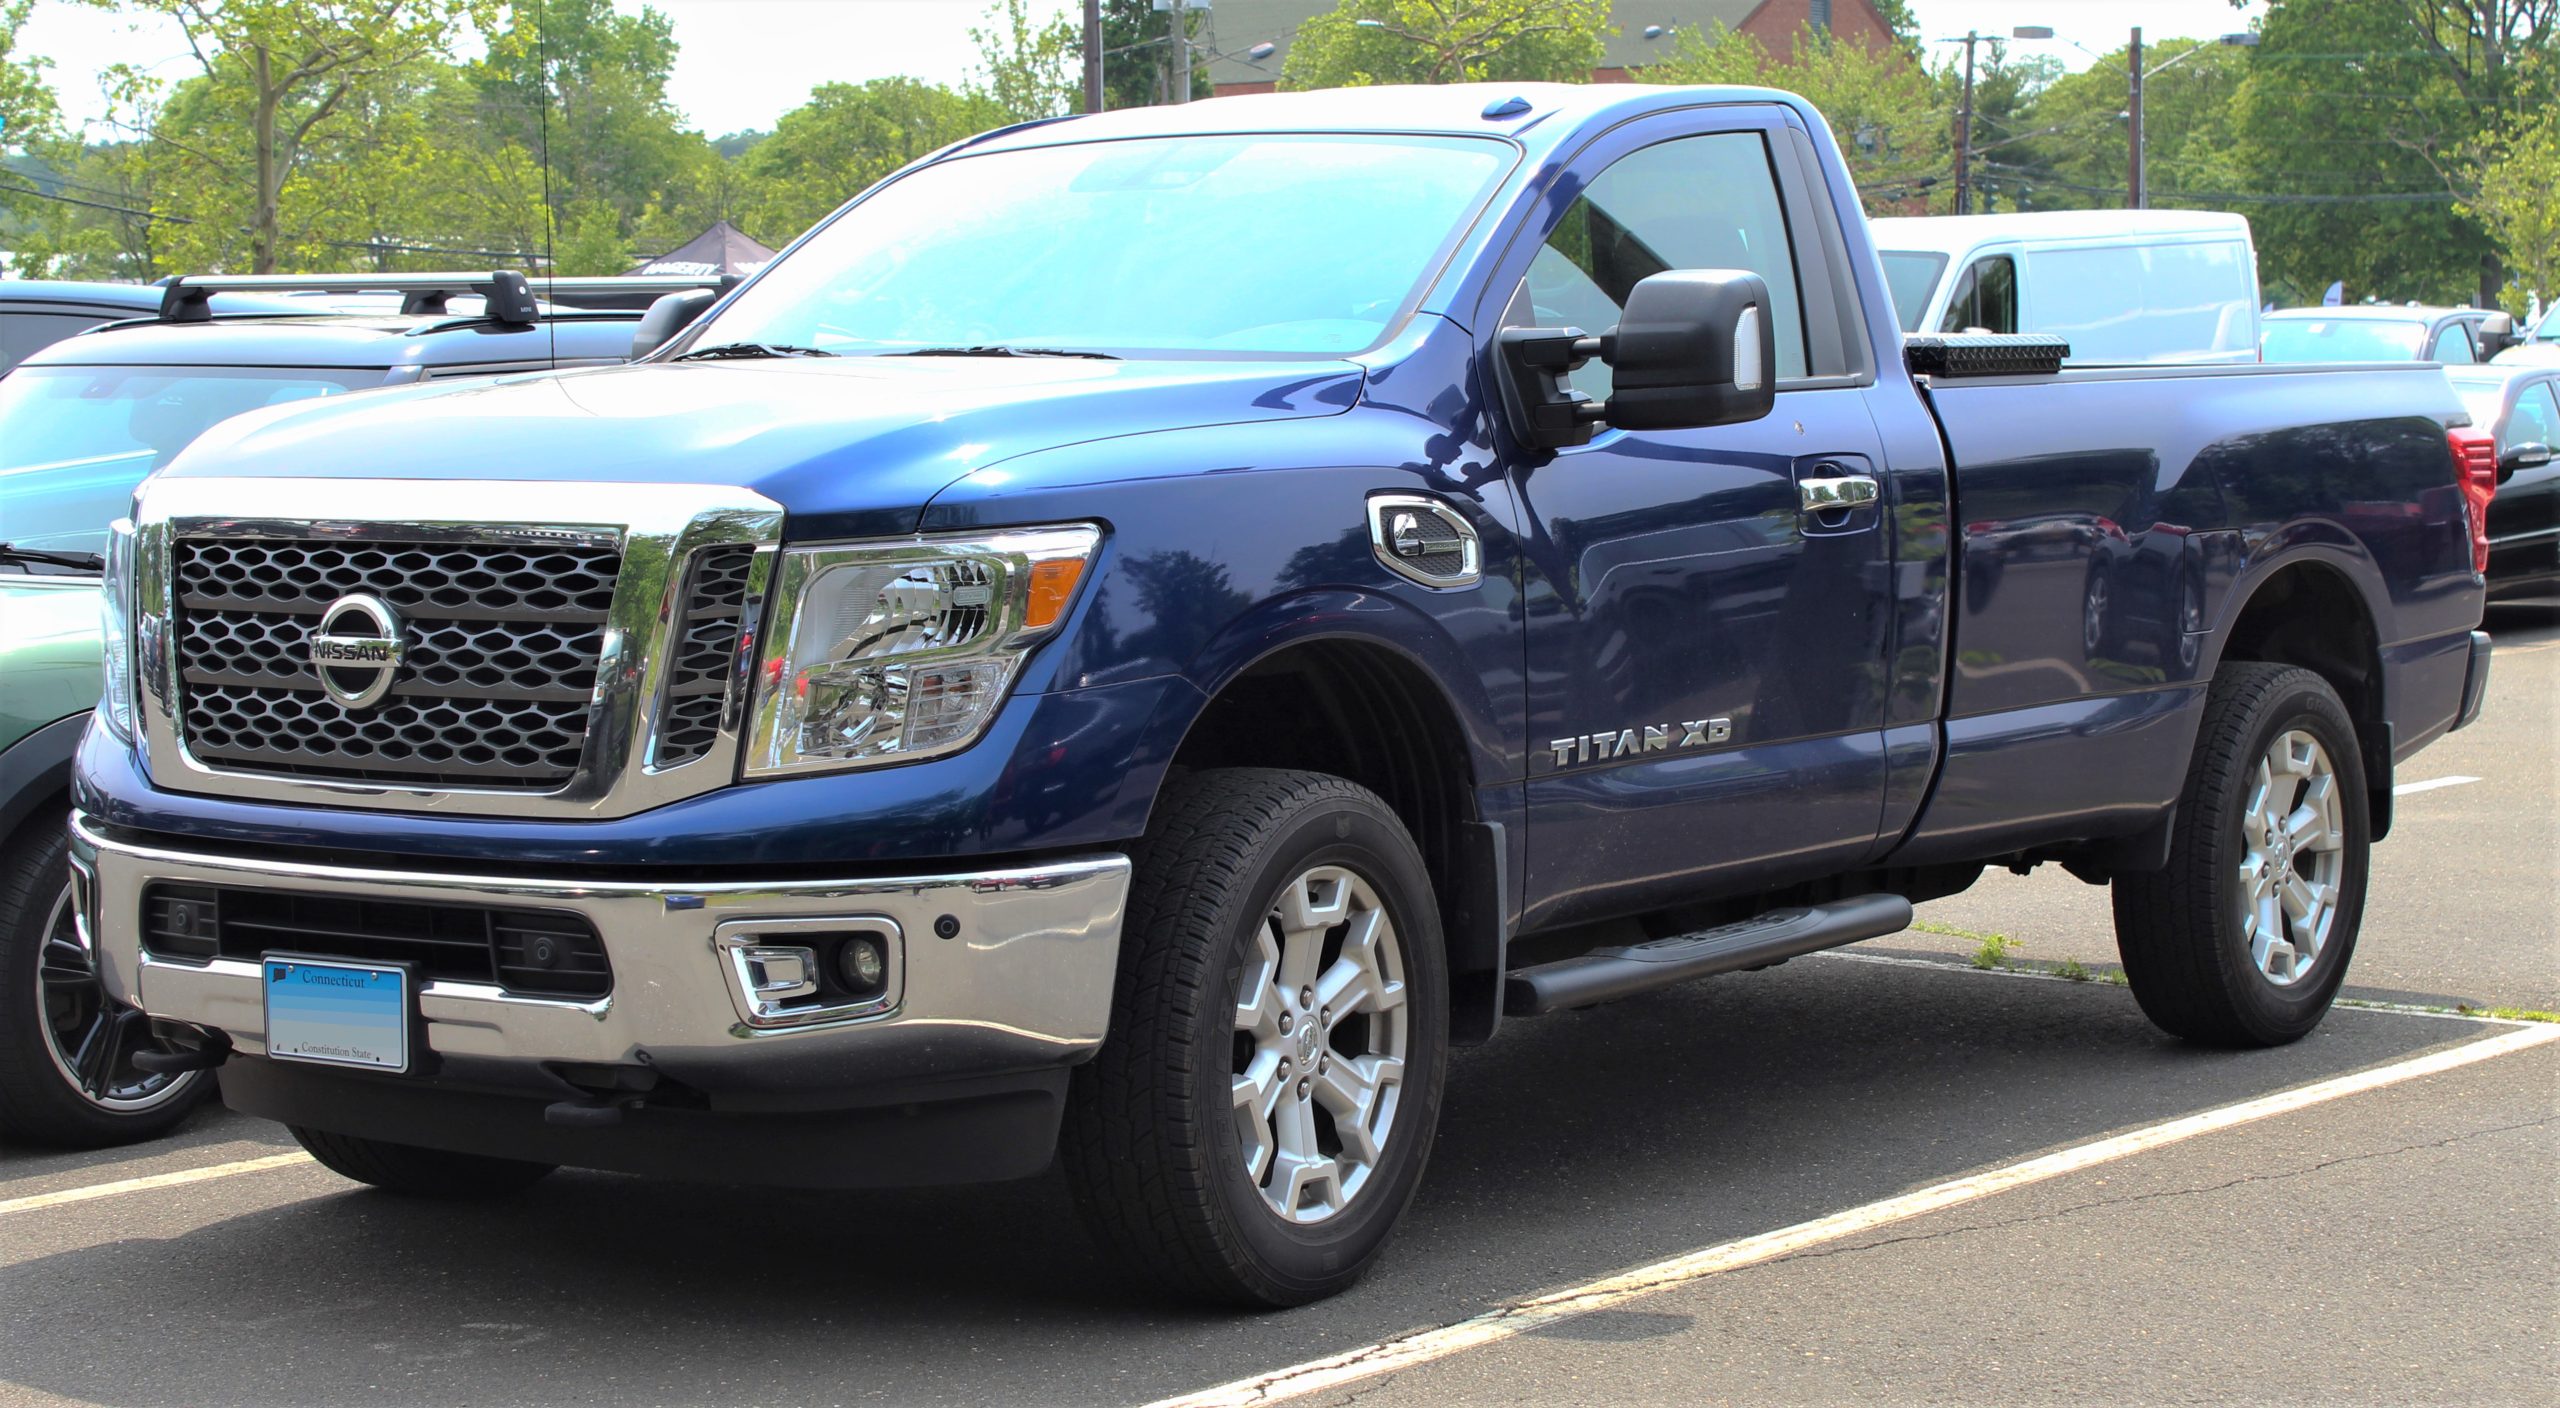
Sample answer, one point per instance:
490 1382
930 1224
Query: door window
2453 345
1691 203
1986 300
2536 420
24 334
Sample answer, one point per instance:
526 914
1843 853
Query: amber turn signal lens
1053 585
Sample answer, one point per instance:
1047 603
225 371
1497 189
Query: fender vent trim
1423 539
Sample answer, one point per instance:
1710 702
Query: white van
2124 286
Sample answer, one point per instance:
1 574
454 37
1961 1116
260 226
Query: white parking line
2410 789
182 1177
1520 1317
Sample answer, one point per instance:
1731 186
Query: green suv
81 423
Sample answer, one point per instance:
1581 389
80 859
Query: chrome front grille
707 637
566 650
494 692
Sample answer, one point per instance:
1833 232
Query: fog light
863 965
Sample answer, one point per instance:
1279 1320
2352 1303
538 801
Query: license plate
341 1014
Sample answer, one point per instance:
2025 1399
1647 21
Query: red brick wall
1776 23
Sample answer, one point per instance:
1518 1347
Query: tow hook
190 1049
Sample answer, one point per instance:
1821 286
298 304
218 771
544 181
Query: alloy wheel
91 1037
2293 858
1321 1033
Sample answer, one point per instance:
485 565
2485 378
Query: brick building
1241 24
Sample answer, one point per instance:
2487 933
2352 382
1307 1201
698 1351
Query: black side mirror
1695 347
670 314
2497 333
1692 348
2532 454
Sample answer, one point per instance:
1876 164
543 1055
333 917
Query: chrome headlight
889 652
115 627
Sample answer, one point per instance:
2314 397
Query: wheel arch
2311 610
1329 692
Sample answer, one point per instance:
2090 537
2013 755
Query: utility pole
1964 132
1178 78
1093 55
2135 197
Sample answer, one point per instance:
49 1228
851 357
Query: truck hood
852 446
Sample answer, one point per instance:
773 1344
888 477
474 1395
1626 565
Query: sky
745 62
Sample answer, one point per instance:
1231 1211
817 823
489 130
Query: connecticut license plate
344 1014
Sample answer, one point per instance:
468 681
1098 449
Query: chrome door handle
1845 492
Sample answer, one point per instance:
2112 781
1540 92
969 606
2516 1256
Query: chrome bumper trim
1024 981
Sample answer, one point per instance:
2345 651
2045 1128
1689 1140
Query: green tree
283 78
2360 123
584 87
2078 133
1882 106
591 242
1028 70
2516 198
1365 42
848 135
27 111
27 117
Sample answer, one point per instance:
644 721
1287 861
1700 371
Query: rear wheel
417 1172
1262 1111
67 1073
2244 939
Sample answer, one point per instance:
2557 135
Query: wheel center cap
1307 1042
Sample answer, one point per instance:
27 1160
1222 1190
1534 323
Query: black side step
1774 937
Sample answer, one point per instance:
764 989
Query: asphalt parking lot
1880 1175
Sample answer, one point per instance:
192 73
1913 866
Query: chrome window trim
656 527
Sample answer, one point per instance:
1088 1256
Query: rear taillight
2475 468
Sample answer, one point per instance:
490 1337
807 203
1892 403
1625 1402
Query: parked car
36 313
955 706
2518 405
2381 332
81 423
2121 286
2541 346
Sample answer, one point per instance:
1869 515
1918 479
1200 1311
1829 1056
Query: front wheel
1261 1113
67 1072
2244 939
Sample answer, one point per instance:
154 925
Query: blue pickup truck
1139 634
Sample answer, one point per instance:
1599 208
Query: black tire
419 1173
1151 1144
42 1095
2182 931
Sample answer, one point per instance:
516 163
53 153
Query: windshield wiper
998 349
752 349
76 561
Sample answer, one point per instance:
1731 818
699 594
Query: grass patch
1992 951
2070 968
2508 1014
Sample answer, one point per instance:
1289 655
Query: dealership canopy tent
718 250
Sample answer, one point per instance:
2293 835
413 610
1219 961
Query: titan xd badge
1652 738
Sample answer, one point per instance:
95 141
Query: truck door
1706 643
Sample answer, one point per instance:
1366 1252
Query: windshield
1911 276
1249 244
74 441
2550 329
2340 340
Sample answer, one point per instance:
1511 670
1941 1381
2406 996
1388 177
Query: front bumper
1023 983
